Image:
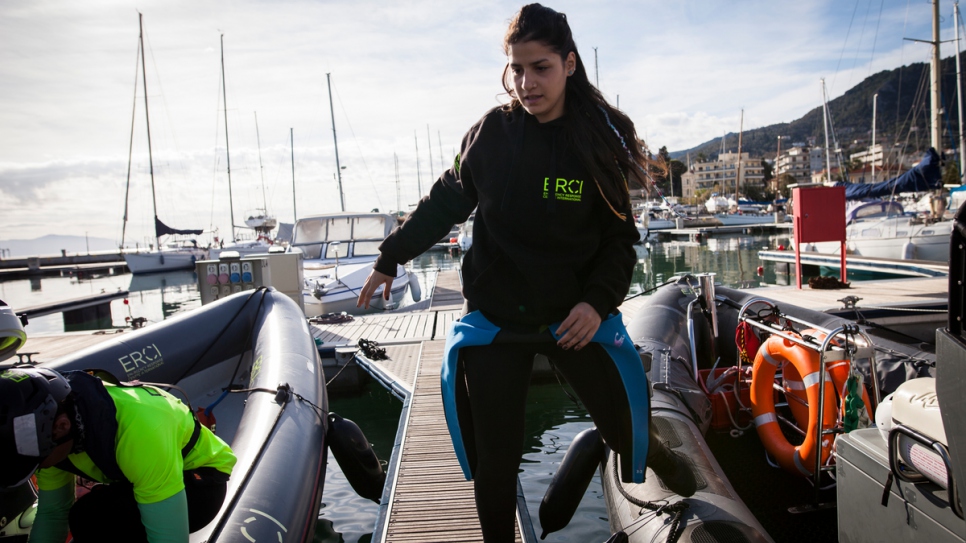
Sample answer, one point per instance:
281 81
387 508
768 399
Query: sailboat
180 254
881 228
262 223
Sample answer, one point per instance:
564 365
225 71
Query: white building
721 174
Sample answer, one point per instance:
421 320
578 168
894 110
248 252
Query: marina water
553 418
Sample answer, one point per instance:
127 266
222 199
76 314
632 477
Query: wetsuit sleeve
53 507
450 201
166 521
610 277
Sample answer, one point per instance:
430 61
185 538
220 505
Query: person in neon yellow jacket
162 474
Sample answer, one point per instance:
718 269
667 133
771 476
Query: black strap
886 490
193 439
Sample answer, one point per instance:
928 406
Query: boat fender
414 288
356 458
570 481
908 251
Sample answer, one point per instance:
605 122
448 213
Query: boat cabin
342 235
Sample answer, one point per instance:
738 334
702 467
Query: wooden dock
910 268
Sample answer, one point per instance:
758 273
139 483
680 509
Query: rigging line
164 159
858 47
214 158
902 54
875 38
362 156
130 148
847 33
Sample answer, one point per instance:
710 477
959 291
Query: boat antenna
875 101
224 97
130 148
741 129
959 94
442 164
935 99
395 161
335 141
419 183
261 169
291 136
429 145
147 120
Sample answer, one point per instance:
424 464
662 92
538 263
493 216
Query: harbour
412 341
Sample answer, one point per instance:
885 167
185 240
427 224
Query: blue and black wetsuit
544 240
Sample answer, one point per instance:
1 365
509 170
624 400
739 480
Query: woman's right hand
371 285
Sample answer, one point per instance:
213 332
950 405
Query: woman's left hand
579 327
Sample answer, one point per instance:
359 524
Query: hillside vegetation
902 116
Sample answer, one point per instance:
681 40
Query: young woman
553 240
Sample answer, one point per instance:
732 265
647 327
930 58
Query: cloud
683 71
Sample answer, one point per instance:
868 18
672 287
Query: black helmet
28 406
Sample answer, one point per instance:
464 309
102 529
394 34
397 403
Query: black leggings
110 513
497 378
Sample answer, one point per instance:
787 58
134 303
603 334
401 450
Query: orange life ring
839 370
774 352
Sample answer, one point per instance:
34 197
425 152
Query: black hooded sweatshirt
544 238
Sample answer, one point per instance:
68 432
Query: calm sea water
553 419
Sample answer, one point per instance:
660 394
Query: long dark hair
603 138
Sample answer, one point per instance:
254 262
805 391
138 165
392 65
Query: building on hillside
689 183
720 175
864 174
870 156
795 162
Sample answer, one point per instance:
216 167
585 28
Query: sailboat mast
130 147
419 183
291 136
935 99
959 94
335 141
147 120
224 99
429 145
261 169
395 161
442 164
741 129
828 159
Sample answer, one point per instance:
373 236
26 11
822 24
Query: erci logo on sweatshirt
563 190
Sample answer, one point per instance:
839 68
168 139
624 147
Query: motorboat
180 254
250 361
706 350
339 251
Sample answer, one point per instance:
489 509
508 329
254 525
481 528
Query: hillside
903 103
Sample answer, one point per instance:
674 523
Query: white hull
335 288
159 261
894 238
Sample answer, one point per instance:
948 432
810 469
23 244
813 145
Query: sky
408 78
